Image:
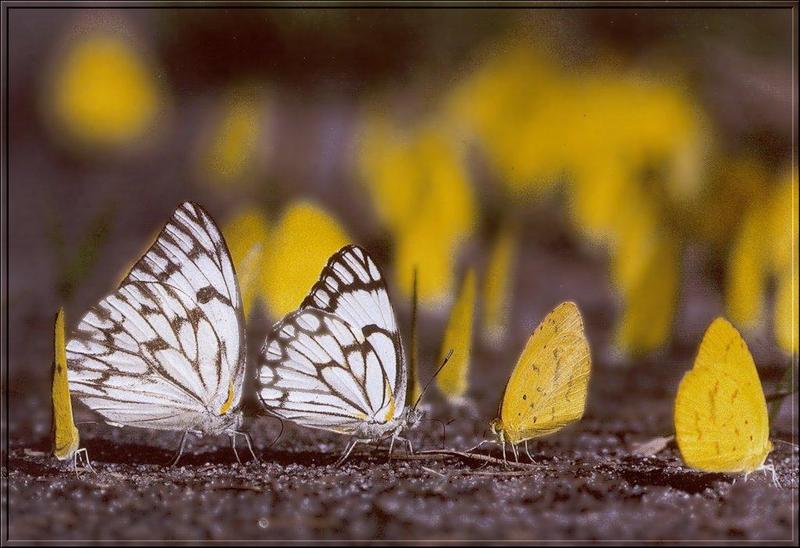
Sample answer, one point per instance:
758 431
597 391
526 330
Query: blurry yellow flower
231 156
453 380
497 284
246 235
650 303
298 248
104 93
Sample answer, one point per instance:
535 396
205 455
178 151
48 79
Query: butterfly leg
85 454
349 449
528 452
771 468
514 450
249 441
391 447
75 465
180 449
233 445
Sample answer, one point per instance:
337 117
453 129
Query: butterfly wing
453 379
147 355
547 389
352 287
65 434
721 418
321 371
191 255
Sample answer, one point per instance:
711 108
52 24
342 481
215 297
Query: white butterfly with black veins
337 363
166 350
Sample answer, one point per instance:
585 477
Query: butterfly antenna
444 362
413 358
790 444
279 433
444 430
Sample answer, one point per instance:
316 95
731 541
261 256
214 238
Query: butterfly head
497 428
411 416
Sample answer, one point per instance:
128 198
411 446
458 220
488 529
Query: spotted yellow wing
548 387
721 421
65 434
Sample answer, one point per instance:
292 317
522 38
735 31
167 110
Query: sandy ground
586 482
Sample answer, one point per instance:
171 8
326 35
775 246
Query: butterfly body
337 363
166 350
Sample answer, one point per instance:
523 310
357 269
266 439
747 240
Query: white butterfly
166 350
337 363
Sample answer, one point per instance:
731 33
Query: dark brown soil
587 484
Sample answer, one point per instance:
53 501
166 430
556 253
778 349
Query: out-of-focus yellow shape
599 191
746 274
236 138
785 311
721 421
650 301
636 230
783 225
422 193
414 390
548 388
518 105
297 250
733 186
104 93
453 380
497 284
246 235
65 434
783 255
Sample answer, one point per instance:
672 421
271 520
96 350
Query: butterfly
66 440
337 362
166 350
454 379
721 419
547 389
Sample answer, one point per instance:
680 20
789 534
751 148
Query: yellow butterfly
721 420
497 285
65 434
453 380
548 387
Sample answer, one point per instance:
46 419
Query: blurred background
638 162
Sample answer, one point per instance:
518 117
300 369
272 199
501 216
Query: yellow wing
298 247
65 434
721 421
453 379
497 285
548 387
